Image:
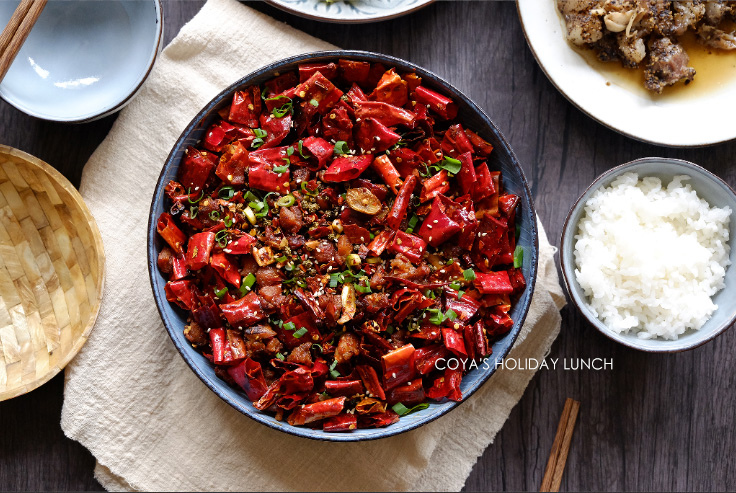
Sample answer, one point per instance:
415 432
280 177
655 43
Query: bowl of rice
646 255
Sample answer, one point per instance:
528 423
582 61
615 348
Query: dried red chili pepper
246 311
401 204
342 422
441 105
347 168
170 232
314 412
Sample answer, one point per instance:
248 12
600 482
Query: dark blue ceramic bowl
502 158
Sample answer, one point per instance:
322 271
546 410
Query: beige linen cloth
129 396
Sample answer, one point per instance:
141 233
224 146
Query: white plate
352 11
83 59
679 120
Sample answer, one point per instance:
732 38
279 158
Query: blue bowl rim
372 57
566 257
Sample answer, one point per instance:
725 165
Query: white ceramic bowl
685 120
709 187
347 12
83 59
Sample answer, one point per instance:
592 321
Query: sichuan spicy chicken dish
645 33
335 235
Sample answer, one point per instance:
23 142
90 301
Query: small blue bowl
502 159
84 59
710 188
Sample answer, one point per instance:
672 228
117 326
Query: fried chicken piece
716 38
668 64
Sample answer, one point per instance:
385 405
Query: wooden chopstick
560 447
17 30
15 20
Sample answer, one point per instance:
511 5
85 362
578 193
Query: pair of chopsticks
17 30
560 447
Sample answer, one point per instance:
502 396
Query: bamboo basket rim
78 202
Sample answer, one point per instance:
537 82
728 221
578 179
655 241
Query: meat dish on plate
335 234
647 33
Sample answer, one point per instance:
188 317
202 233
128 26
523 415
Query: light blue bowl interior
709 187
502 159
83 58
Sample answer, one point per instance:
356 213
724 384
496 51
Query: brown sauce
715 69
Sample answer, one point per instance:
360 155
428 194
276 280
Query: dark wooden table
654 422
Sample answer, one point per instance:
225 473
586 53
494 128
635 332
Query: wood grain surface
654 422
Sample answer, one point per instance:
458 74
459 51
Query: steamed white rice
650 258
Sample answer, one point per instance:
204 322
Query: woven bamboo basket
51 272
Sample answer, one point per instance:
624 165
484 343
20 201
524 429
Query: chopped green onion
256 143
221 292
256 206
193 211
248 281
228 221
437 316
334 279
280 356
413 221
469 274
460 294
260 133
226 193
333 372
189 198
299 148
215 215
286 201
318 346
362 289
281 259
264 210
402 410
455 286
281 111
341 147
289 326
307 190
222 238
449 262
451 164
290 150
299 333
314 103
451 315
281 169
518 256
